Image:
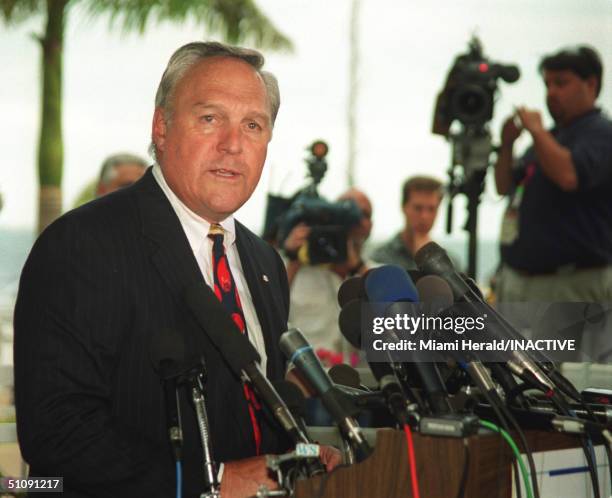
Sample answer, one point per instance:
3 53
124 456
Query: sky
406 49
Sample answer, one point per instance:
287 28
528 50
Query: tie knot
215 230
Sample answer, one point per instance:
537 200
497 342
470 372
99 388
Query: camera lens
471 104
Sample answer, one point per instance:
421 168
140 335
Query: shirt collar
578 121
196 228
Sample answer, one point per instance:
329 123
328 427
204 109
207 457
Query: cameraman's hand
296 238
510 131
532 120
353 252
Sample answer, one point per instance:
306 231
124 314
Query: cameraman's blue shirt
556 228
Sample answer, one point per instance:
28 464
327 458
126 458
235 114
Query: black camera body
329 222
469 92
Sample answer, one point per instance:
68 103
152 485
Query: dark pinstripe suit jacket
97 284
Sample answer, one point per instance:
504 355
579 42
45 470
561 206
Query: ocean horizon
15 245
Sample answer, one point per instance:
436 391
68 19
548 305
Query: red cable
412 463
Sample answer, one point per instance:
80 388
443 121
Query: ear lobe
158 132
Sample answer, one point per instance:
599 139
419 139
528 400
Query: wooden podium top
440 462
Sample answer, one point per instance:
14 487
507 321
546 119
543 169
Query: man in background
556 241
421 197
119 171
314 288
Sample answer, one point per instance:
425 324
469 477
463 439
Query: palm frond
236 21
17 11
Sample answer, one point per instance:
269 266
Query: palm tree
236 21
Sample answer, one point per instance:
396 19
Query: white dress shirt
196 230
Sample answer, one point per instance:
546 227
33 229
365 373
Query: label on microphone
463 332
307 450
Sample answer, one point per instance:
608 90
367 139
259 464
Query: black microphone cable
586 443
605 437
466 469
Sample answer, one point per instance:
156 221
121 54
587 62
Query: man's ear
592 83
100 190
158 132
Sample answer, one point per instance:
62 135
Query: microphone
435 293
166 351
391 284
392 391
299 352
296 402
349 321
351 288
294 399
350 327
346 375
431 258
238 352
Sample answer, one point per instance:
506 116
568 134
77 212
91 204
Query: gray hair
191 53
108 169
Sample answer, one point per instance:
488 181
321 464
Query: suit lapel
256 276
171 254
170 251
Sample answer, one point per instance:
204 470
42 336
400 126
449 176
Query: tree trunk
50 147
49 205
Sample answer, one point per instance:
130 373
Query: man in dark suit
104 279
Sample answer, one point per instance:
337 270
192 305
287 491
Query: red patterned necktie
227 292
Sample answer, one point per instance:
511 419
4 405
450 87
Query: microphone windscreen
214 319
166 344
167 352
349 322
435 290
390 284
416 275
350 289
345 375
431 258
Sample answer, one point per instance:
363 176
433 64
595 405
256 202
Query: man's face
567 95
421 209
213 148
123 176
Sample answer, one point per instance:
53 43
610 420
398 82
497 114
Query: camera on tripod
467 100
468 95
329 222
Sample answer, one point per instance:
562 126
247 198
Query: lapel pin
265 278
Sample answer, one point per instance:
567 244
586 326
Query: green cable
515 450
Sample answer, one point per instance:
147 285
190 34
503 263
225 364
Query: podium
440 462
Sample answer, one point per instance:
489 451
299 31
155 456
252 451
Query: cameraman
556 241
314 305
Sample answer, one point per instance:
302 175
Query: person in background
119 171
556 236
314 288
556 239
421 197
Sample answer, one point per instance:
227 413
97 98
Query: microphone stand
196 382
